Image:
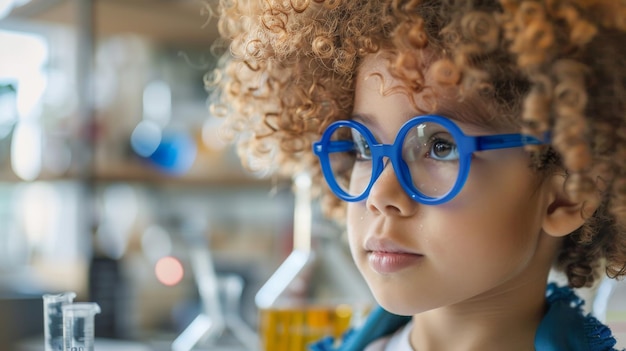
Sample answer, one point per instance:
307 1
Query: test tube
53 319
78 326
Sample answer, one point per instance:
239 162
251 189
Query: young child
470 146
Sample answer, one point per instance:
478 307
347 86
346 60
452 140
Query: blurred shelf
174 23
181 23
136 172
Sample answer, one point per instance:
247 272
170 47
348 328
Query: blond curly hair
547 65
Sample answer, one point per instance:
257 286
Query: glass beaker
316 292
78 326
317 296
53 319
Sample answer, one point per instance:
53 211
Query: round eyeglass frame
466 146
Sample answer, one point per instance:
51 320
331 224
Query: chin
395 308
393 303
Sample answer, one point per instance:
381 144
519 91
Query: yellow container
285 329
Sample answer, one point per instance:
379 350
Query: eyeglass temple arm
503 141
334 146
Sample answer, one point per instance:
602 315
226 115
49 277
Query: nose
387 196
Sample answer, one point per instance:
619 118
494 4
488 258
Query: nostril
392 210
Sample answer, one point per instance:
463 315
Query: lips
386 257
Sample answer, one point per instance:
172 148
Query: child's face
484 241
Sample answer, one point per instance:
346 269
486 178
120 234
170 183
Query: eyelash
434 140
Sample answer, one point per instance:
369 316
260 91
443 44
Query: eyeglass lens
429 153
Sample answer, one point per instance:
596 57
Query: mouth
391 262
385 257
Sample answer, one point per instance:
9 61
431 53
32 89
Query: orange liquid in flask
293 329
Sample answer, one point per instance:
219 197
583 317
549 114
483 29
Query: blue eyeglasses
431 157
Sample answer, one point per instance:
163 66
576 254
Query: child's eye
443 150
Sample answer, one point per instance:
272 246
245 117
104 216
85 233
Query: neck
503 318
506 319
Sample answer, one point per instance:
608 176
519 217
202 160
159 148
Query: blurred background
115 184
112 169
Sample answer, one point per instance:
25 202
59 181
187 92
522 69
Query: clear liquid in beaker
53 319
78 326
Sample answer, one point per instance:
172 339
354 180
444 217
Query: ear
563 215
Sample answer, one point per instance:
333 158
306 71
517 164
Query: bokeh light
175 154
169 271
146 138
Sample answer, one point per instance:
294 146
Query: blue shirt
564 327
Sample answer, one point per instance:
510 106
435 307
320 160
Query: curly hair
545 65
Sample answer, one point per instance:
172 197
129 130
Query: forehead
375 77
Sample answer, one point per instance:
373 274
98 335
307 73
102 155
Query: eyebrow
470 113
470 116
467 112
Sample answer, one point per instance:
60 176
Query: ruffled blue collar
564 327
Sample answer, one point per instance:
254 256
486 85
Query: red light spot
169 271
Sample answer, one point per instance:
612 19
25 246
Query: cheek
356 227
487 239
502 191
492 224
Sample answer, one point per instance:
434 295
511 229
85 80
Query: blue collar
564 327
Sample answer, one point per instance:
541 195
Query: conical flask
218 326
316 292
